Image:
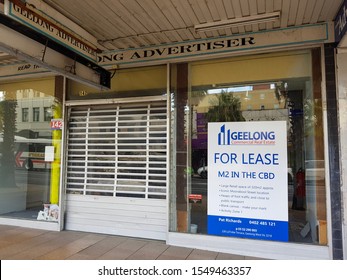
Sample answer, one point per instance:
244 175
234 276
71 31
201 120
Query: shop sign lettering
206 47
14 70
36 21
27 66
176 50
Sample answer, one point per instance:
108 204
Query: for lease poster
247 180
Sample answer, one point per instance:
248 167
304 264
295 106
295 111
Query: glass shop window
29 150
247 148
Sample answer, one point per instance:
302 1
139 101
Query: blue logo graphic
226 136
223 139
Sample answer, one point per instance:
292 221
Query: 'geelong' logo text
228 137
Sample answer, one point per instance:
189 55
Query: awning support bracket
44 51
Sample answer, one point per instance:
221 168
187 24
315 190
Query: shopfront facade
218 144
230 152
31 149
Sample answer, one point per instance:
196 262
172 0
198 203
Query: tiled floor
17 243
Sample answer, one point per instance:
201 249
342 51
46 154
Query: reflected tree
312 116
7 144
227 108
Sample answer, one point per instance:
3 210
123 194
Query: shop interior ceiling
123 24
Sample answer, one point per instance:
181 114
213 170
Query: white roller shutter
116 178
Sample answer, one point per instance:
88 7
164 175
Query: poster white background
247 178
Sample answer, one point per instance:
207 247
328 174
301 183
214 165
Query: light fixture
237 22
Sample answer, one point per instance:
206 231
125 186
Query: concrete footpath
18 243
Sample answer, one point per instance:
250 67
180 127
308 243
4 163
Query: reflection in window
28 184
219 92
25 114
47 114
290 104
36 114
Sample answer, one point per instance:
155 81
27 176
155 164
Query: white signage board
247 180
